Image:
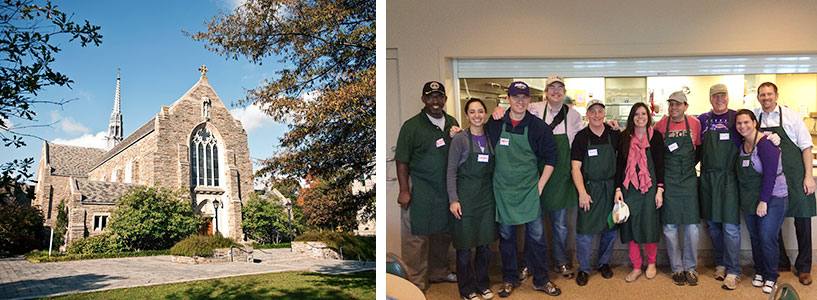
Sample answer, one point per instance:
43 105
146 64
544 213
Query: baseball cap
594 102
518 87
718 88
433 86
678 96
554 78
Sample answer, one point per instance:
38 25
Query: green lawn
284 285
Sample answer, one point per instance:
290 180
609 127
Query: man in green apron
796 145
719 188
593 162
422 154
520 142
681 137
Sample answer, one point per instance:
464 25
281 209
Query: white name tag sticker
745 163
724 136
483 158
672 147
504 141
440 142
592 152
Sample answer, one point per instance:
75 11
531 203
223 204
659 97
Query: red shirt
679 129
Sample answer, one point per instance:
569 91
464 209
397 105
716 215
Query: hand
584 201
403 199
541 186
761 209
455 209
498 113
659 198
809 185
619 197
454 130
613 123
773 137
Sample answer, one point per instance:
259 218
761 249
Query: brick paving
20 279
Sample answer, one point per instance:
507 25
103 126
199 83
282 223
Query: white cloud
311 95
7 124
68 124
229 4
86 140
251 117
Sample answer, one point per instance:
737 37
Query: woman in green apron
593 160
471 198
763 197
640 178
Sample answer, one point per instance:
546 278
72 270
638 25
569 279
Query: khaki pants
426 256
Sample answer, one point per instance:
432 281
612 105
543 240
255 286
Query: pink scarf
637 156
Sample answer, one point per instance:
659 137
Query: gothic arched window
204 158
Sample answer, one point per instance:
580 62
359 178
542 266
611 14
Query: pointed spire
115 125
116 98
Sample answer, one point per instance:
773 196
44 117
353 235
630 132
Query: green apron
599 173
800 204
749 182
474 188
560 192
680 180
719 186
430 213
643 226
516 180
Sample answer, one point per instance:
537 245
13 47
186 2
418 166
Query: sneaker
606 271
582 278
565 271
730 282
487 294
524 274
549 288
506 290
720 273
633 275
451 277
757 281
691 277
769 287
678 278
472 296
651 271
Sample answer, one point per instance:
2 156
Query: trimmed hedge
42 256
103 243
202 245
271 246
366 246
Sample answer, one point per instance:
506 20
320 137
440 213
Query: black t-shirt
578 150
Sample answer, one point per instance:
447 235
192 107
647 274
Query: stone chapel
194 144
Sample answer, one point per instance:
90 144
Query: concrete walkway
20 279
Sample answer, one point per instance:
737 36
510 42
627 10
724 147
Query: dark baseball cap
518 87
433 86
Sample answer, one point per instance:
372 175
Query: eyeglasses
556 87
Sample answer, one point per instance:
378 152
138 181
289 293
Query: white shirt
574 119
793 124
440 123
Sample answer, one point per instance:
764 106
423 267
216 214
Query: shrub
103 243
265 221
42 256
21 228
352 244
62 225
150 218
202 245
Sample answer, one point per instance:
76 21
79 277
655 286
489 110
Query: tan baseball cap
678 96
718 88
594 102
554 78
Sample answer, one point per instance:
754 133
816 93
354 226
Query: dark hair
751 115
472 101
768 84
626 134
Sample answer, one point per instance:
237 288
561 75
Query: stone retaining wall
316 250
219 255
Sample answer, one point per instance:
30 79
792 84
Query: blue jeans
558 225
535 248
689 261
726 244
584 243
763 233
473 280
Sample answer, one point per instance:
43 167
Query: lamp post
289 210
215 206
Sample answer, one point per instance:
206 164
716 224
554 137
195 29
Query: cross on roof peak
203 70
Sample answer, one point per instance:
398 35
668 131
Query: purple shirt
720 122
767 156
480 140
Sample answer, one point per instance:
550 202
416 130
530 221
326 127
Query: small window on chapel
100 223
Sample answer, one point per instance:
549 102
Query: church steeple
115 124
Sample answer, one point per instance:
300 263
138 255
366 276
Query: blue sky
158 65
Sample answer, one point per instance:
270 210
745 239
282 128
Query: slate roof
102 192
72 160
137 135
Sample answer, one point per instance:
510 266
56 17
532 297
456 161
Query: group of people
536 160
